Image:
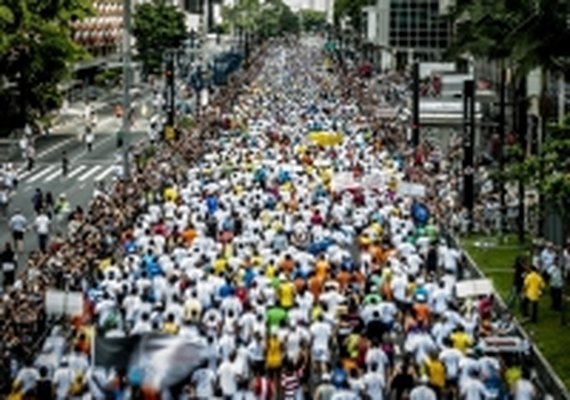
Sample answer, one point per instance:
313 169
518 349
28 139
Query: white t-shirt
422 393
204 380
42 223
472 389
374 385
451 357
228 375
524 390
62 380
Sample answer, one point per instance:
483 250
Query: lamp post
126 123
468 139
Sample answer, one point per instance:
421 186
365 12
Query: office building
408 30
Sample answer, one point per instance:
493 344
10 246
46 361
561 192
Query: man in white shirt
374 383
228 376
423 392
204 381
42 225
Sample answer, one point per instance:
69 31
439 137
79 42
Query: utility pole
468 153
170 79
522 126
502 134
416 104
123 140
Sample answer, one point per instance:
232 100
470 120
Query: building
102 33
408 30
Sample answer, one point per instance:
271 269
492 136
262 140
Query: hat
326 377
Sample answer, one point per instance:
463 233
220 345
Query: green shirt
275 315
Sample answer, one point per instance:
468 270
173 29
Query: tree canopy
527 33
157 26
37 52
351 9
313 19
272 18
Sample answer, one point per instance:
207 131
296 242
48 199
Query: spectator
533 287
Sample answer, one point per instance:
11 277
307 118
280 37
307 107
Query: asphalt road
85 168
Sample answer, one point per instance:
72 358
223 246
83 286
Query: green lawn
550 337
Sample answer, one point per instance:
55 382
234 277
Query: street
85 168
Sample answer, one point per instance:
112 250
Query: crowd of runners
288 255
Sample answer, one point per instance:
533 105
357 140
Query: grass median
495 259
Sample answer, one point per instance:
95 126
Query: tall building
409 29
102 33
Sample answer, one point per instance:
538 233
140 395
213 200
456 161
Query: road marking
76 171
55 147
53 176
103 174
89 173
42 173
26 173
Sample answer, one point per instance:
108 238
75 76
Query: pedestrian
18 225
4 201
9 265
42 226
49 204
31 156
89 138
64 164
533 287
23 144
556 283
38 200
519 271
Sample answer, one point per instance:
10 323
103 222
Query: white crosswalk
78 172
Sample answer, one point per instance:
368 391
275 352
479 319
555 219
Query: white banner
342 181
59 302
374 181
411 189
473 288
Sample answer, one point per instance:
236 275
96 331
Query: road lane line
92 171
76 171
37 176
51 177
103 174
55 147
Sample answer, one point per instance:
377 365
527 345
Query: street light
125 130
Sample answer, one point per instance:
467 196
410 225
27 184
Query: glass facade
417 24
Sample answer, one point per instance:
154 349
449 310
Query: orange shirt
299 284
321 269
287 266
315 286
422 312
343 279
189 235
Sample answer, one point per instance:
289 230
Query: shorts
18 236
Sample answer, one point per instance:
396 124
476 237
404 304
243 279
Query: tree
351 9
36 51
273 18
157 26
313 20
522 35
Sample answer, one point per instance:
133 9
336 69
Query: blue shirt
18 223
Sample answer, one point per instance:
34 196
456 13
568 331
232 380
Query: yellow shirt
220 266
533 286
461 341
170 328
170 194
436 372
287 294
